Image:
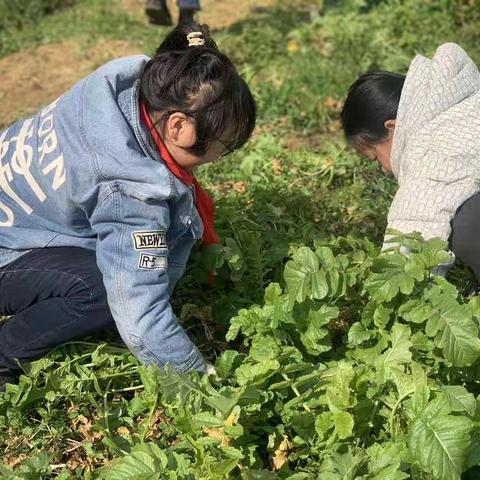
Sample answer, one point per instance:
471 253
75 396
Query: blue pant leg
189 4
55 295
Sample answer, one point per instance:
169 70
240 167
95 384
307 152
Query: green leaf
392 273
223 403
227 362
326 257
342 465
315 338
304 425
474 305
357 334
433 253
415 311
305 279
224 468
264 348
248 322
259 372
343 424
454 329
145 462
440 442
272 293
258 475
300 274
418 402
323 423
384 462
369 356
149 377
459 399
277 309
473 454
381 316
398 354
338 391
40 365
307 259
407 383
400 350
206 419
368 312
297 280
319 285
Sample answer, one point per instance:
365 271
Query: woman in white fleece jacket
425 128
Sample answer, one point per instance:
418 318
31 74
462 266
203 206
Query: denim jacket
82 173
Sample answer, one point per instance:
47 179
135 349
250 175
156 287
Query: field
334 362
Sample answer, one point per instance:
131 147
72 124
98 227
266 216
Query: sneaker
158 13
187 16
7 375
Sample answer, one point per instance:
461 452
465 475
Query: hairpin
195 39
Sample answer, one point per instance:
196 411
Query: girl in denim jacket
99 208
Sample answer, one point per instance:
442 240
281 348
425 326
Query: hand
210 370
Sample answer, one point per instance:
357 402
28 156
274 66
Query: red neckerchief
203 201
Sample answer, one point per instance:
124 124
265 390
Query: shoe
187 16
158 13
7 375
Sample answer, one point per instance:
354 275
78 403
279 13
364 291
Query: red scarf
203 201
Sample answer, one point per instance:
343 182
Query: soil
218 14
32 78
35 77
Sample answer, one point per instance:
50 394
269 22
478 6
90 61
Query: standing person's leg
465 237
55 295
158 13
188 9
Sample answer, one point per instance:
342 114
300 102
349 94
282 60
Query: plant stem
394 410
295 390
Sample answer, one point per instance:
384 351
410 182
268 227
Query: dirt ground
216 13
34 77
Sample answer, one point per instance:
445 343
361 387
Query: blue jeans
55 295
189 4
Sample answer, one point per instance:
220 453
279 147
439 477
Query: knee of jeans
89 294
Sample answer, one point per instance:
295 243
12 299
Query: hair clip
195 39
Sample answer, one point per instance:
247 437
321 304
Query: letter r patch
152 262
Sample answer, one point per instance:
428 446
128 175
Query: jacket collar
129 103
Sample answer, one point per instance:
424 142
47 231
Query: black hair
371 101
201 82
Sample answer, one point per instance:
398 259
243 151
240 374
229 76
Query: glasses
226 149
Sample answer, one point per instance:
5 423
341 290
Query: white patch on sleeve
150 240
152 262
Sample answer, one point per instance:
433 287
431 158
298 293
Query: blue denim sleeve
132 253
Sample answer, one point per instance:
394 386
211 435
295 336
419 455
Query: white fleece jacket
436 146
